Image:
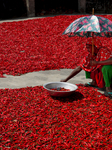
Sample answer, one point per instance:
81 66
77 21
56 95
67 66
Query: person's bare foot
108 92
93 83
108 89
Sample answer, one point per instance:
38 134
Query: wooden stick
92 36
93 11
92 44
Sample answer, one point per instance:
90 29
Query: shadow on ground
74 97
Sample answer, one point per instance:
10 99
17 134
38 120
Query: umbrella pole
92 44
92 36
93 11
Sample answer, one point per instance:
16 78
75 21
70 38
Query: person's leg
88 76
107 75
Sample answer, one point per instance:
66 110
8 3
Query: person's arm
73 73
105 62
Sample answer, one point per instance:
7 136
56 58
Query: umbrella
90 26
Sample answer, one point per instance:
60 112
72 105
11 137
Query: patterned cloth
97 42
103 54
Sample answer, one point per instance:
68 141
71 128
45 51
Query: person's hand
63 80
93 62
